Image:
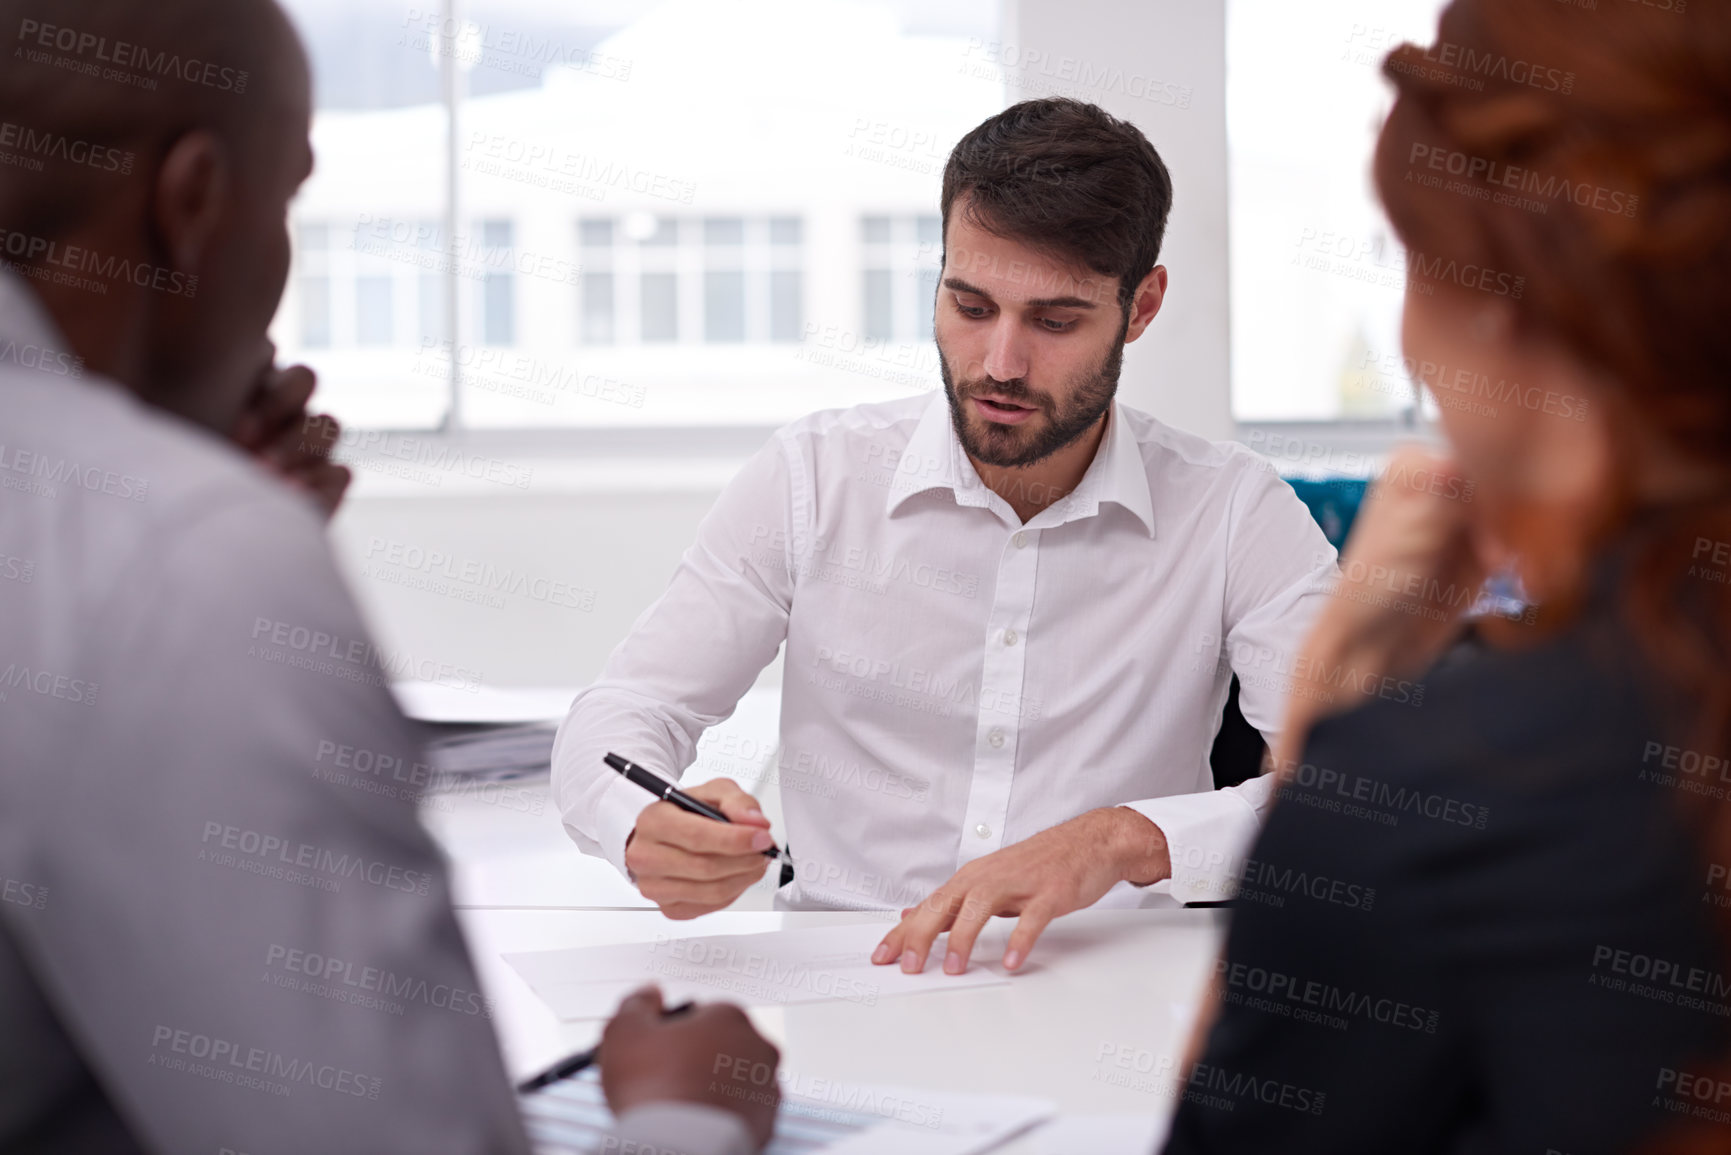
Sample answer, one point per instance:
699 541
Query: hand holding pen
696 850
709 1054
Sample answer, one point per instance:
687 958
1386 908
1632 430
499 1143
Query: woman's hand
1410 571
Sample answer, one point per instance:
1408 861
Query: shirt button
1021 539
1010 637
996 739
983 830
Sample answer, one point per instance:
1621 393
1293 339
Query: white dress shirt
955 680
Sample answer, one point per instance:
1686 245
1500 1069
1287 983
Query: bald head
162 139
125 74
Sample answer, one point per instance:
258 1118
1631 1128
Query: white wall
529 586
1160 64
622 548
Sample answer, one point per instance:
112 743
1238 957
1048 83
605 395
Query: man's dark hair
1068 179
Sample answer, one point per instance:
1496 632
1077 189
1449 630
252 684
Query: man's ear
192 190
1150 295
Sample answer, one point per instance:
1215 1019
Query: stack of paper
490 753
789 966
495 705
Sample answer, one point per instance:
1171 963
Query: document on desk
831 1116
823 964
1068 1134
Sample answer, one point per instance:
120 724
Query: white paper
947 1123
440 702
825 964
1091 1134
832 1116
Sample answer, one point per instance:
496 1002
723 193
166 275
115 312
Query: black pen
565 1068
668 792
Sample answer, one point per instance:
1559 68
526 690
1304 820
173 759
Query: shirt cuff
616 817
675 1128
599 828
1208 835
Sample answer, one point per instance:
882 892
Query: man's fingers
1029 928
725 795
294 387
319 435
890 949
328 485
932 918
694 834
302 444
276 406
686 911
648 859
642 1003
684 900
285 397
890 946
675 865
969 921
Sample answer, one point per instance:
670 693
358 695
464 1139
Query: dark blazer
1476 925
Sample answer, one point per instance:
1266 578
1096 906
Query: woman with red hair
1496 921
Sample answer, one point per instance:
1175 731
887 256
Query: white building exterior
727 213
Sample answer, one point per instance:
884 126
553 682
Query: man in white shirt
1011 612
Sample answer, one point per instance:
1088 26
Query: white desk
1101 1034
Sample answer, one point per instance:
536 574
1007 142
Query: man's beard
1013 446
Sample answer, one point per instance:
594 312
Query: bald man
208 942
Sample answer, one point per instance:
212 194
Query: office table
1102 1033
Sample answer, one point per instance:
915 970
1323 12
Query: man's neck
1031 489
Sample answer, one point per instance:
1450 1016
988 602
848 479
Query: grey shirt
210 940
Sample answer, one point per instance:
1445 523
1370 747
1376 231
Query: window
902 255
660 298
879 307
498 315
315 286
638 203
786 287
315 311
595 254
374 324
724 279
1317 274
376 290
710 280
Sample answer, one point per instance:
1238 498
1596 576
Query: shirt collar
934 459
1117 475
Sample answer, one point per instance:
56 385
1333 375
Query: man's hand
710 1054
690 865
1059 870
277 431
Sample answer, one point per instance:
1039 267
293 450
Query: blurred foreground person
210 940
1496 922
